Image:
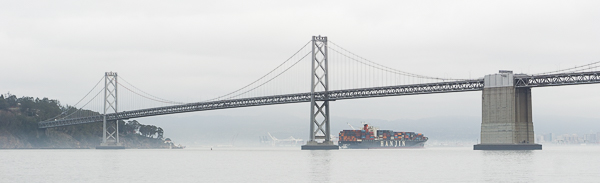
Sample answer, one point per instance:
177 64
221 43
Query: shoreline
66 148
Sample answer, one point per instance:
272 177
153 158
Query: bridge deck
428 88
444 87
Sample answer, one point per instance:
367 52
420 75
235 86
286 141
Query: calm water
553 164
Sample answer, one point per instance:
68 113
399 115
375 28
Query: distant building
539 139
591 138
549 137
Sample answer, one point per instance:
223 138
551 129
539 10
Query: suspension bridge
335 74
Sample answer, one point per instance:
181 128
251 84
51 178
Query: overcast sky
193 50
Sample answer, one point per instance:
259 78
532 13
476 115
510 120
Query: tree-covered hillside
19 119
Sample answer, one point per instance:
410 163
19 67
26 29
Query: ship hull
382 144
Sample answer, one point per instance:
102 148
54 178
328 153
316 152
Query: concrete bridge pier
506 115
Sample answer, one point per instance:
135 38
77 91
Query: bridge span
506 102
445 87
523 81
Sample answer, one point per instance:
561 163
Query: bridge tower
110 129
506 115
320 136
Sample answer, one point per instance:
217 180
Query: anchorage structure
507 122
320 136
110 130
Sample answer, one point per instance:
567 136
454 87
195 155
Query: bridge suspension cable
349 70
82 107
276 76
257 84
147 95
586 67
78 110
355 77
383 67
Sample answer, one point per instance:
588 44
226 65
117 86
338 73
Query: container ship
372 138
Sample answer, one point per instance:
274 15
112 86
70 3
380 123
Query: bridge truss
400 90
558 79
445 87
360 78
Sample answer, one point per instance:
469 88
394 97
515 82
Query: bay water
431 164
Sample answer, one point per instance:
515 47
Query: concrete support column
507 122
524 121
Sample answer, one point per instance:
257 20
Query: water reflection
507 152
508 166
110 161
320 165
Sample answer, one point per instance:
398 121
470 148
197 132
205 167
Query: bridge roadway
427 88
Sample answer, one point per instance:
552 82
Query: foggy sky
193 50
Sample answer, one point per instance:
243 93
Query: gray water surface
553 164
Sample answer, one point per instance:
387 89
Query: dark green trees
19 119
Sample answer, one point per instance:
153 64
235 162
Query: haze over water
461 164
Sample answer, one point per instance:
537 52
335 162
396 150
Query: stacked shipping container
354 135
372 135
